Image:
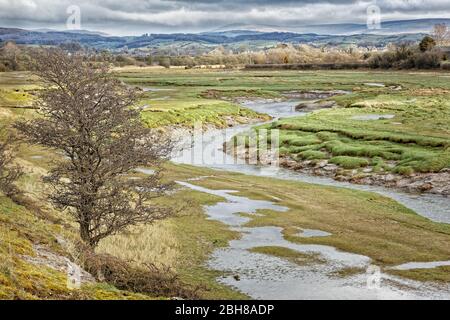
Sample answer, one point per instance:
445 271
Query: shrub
426 56
427 44
147 279
428 60
9 171
445 65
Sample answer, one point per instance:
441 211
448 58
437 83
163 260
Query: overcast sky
131 17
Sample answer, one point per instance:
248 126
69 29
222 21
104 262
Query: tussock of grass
312 155
289 254
349 162
300 141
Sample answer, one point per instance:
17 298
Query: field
415 140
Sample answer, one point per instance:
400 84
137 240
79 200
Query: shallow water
274 108
311 233
267 277
374 84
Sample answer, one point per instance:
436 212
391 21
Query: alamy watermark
373 17
73 276
373 277
73 22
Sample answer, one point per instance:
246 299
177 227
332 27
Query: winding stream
433 207
264 276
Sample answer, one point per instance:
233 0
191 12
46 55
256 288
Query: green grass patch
312 155
349 162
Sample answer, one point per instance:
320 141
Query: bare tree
9 172
89 115
441 34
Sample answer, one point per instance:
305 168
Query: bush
428 60
445 65
407 57
147 279
9 171
427 44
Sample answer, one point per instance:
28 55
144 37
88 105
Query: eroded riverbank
209 152
324 154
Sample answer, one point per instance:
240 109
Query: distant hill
387 27
233 37
73 31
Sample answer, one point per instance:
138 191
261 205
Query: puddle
369 117
153 89
37 157
229 212
375 84
311 233
421 265
274 108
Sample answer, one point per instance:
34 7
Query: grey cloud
137 16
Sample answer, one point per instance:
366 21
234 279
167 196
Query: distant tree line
429 53
410 56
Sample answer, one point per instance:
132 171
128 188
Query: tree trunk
84 233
